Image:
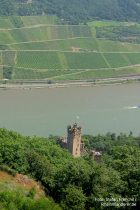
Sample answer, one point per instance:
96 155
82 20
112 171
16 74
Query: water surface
48 111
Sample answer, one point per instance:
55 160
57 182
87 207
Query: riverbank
29 84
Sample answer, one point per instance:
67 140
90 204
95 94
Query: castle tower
74 140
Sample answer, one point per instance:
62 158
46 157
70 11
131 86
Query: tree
74 199
40 167
76 173
7 72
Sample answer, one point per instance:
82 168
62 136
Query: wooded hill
73 183
74 11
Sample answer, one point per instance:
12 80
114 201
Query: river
49 110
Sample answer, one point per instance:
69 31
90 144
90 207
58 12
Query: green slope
41 49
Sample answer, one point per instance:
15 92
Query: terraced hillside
40 48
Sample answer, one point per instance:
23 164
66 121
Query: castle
73 141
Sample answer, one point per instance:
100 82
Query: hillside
19 192
75 11
73 183
21 183
41 48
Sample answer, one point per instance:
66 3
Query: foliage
74 199
7 72
5 168
39 166
32 193
75 11
74 183
17 22
7 7
130 33
10 200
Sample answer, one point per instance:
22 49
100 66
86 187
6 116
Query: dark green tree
74 199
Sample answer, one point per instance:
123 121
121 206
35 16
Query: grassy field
42 48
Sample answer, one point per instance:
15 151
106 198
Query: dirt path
39 25
49 40
83 70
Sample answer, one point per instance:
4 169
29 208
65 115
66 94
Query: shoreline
38 84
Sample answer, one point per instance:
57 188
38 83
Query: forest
74 11
73 183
